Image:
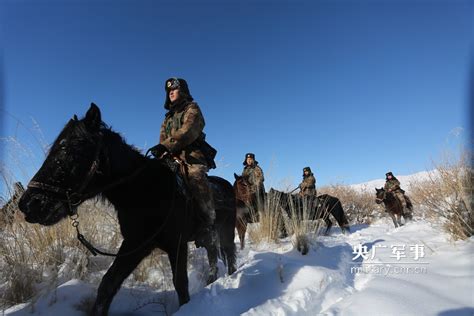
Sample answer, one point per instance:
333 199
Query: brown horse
247 205
394 207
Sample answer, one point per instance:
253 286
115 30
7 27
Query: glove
158 150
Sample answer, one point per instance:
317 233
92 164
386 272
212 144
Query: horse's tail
335 208
409 203
225 220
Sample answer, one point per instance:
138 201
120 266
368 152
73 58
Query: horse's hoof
231 269
211 279
305 250
97 311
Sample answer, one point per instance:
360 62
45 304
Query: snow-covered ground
357 274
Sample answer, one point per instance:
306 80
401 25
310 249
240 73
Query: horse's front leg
399 219
241 230
394 219
179 261
117 273
328 225
212 258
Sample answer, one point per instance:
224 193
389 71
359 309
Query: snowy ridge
406 181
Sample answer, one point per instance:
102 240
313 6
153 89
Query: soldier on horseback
253 175
393 185
308 185
182 137
308 189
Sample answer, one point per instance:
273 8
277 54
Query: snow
275 279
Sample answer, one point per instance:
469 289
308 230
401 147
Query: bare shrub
447 195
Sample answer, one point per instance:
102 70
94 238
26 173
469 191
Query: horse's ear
236 176
93 117
75 118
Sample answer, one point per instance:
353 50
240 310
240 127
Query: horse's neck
122 159
122 170
389 198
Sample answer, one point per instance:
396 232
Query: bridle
381 199
75 197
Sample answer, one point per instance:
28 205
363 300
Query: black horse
318 208
89 159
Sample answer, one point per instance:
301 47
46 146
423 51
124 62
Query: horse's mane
79 129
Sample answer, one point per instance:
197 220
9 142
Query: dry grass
300 226
447 195
33 254
273 220
269 222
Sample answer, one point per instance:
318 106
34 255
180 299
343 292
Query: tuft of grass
273 221
268 219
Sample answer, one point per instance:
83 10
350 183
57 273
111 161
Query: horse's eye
62 143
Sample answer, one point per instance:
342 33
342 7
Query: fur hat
177 83
389 174
249 155
307 169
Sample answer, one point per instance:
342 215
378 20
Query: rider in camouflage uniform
308 185
253 175
308 189
182 136
393 185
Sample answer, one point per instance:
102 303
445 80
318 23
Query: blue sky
351 88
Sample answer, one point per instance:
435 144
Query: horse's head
380 195
57 188
242 190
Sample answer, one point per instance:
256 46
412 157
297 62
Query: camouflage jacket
392 185
182 131
308 186
254 176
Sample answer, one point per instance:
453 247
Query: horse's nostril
35 203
